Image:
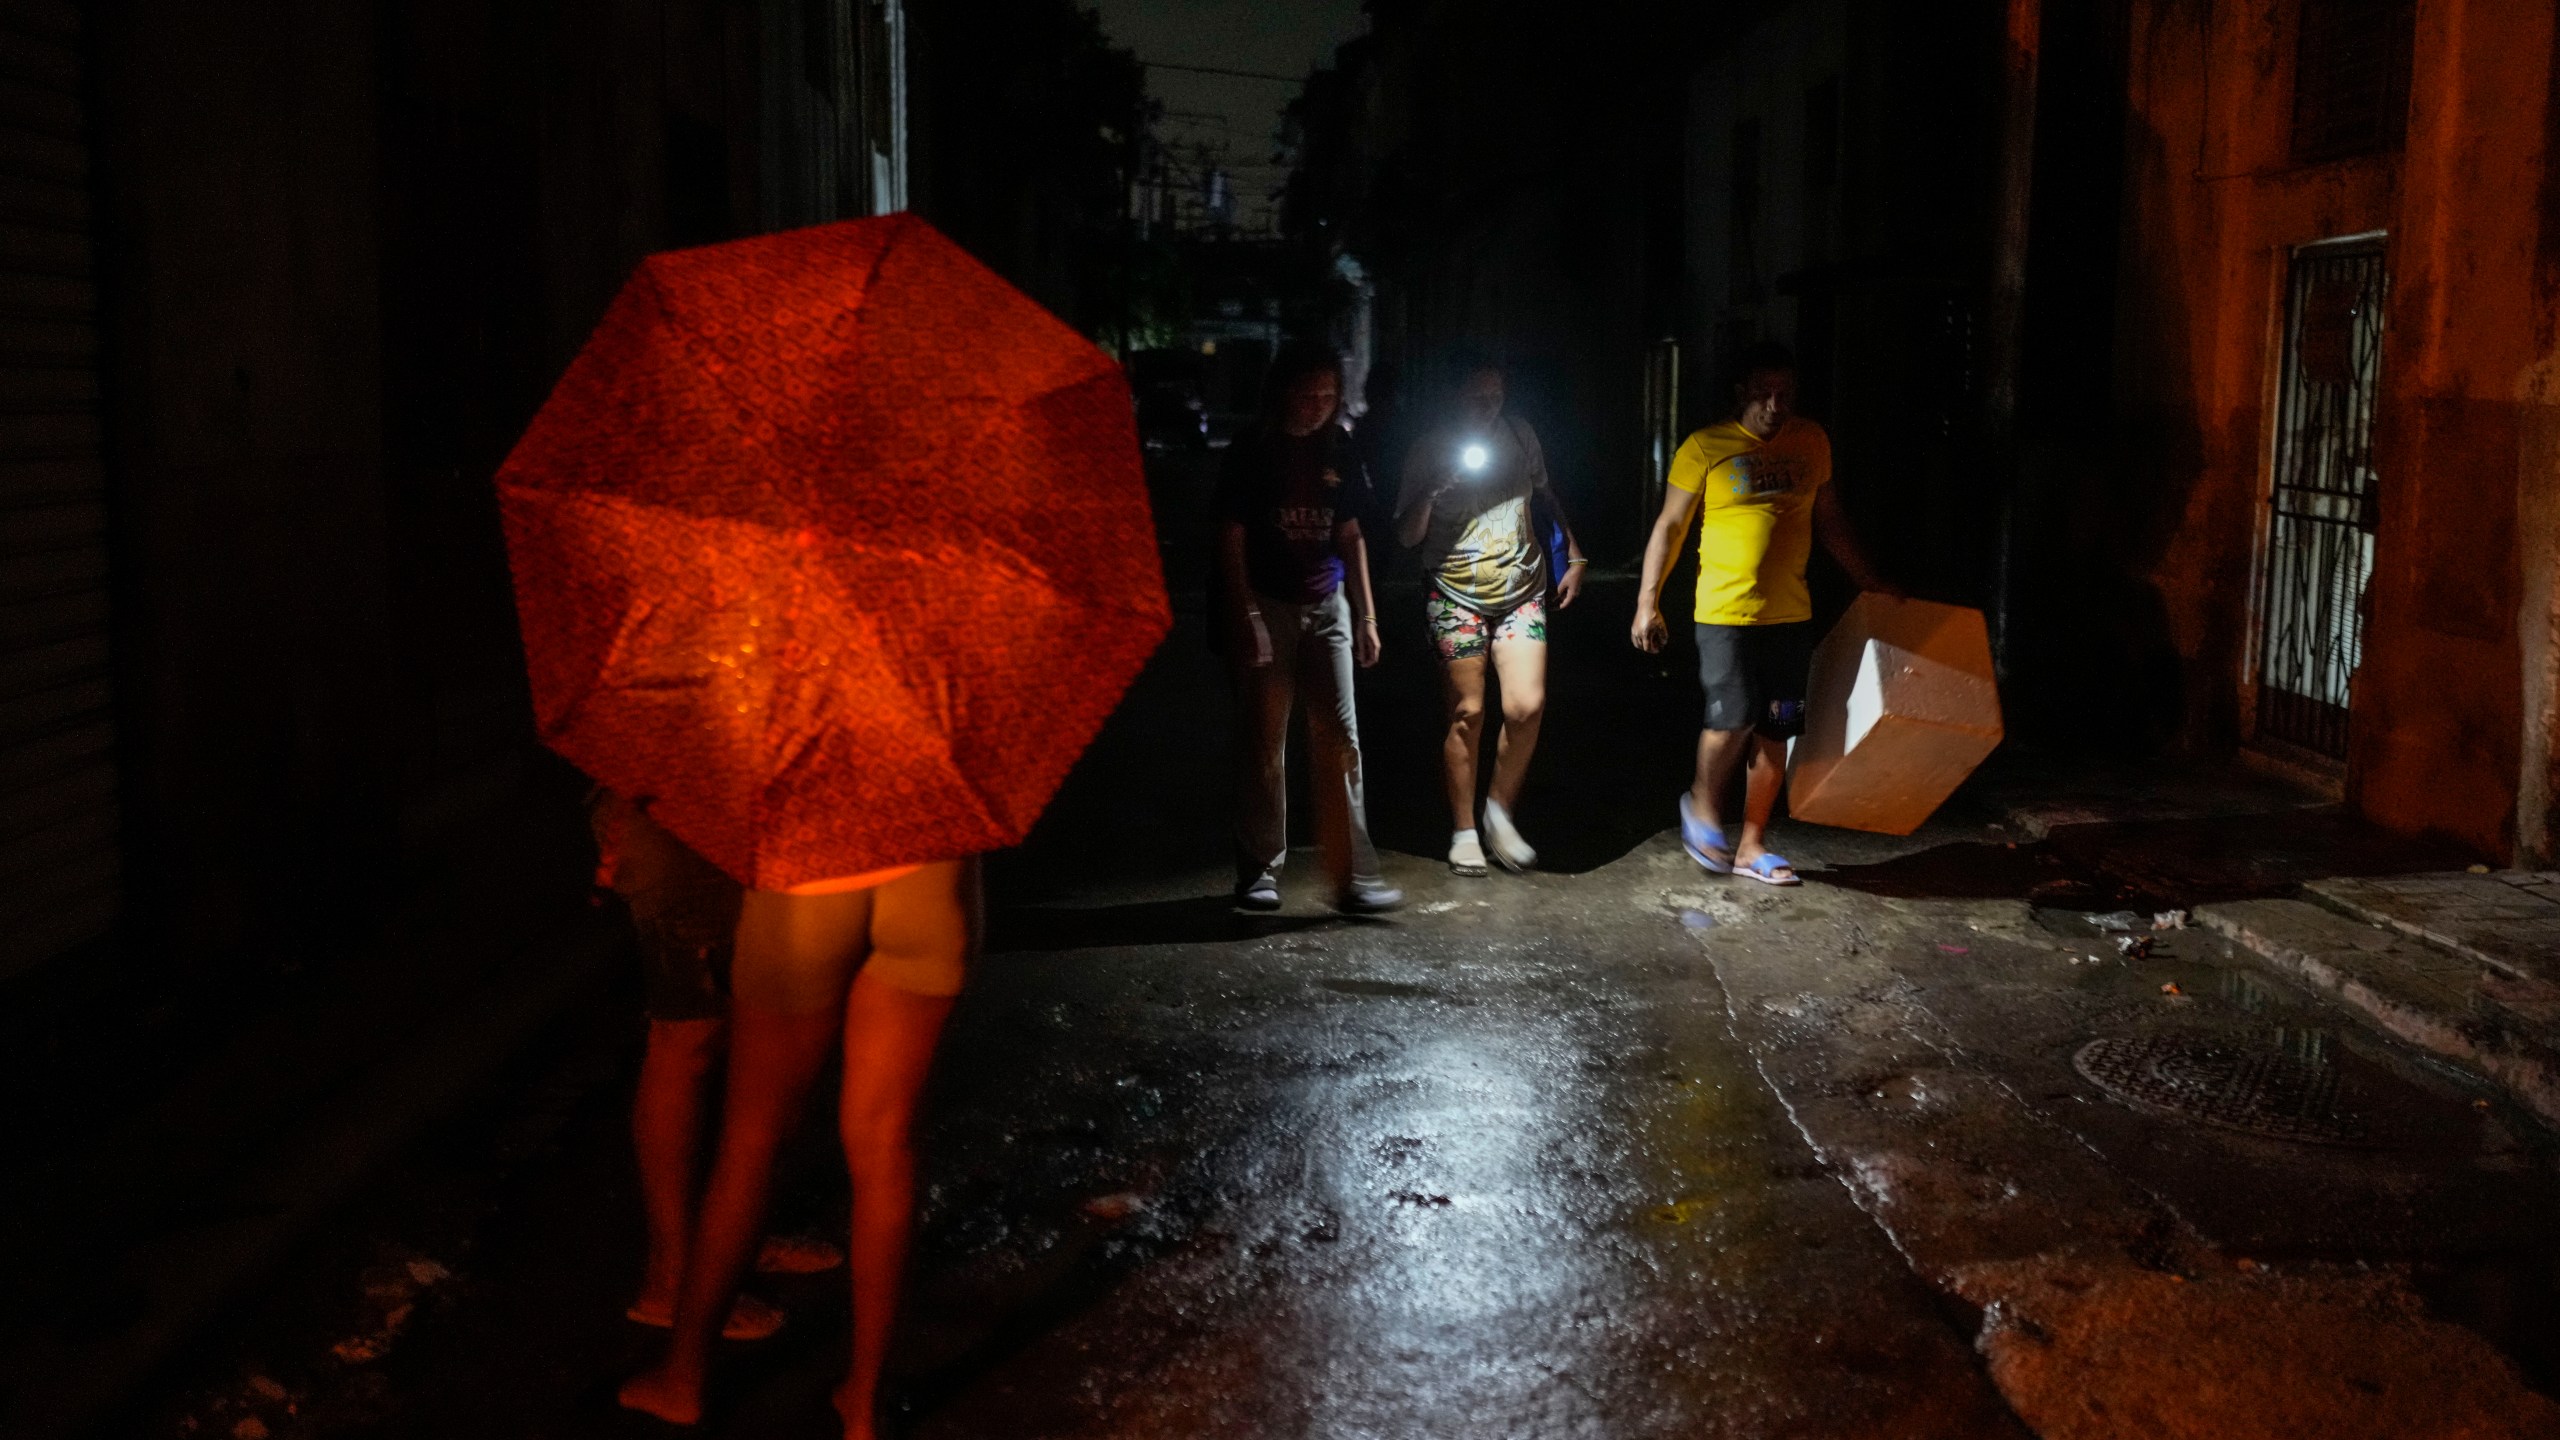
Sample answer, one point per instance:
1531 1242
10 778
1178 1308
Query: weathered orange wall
2213 208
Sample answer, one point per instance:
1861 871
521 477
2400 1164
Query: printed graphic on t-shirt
1490 551
1755 518
1285 491
1761 474
1303 524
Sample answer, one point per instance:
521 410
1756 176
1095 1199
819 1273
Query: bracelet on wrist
1577 560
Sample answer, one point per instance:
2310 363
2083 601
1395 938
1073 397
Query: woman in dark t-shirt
1295 612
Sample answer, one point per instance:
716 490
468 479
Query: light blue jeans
1311 659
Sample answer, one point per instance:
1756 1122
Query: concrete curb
2435 999
2507 921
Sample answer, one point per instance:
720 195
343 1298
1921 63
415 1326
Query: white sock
1463 837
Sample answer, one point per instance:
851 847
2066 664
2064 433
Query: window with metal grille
2322 503
2351 77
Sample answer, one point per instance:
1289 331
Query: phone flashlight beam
1472 459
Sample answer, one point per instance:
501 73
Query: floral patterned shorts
1463 634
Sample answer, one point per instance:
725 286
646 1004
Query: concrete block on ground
1901 708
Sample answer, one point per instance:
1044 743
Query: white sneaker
1509 850
1370 896
1466 854
1259 892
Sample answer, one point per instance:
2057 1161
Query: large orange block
1902 706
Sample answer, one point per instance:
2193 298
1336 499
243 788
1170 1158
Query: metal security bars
2322 504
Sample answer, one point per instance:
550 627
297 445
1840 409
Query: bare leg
1522 667
1720 757
1767 777
795 955
1462 682
667 1116
921 934
889 1040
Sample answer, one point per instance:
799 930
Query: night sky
1243 116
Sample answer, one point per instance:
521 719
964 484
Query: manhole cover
2261 1092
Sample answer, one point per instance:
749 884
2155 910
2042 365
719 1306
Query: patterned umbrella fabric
835 546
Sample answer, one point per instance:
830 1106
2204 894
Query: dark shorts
1754 676
683 908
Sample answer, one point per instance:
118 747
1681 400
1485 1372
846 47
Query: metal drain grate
2259 1092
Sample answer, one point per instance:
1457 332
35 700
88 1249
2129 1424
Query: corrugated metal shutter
58 852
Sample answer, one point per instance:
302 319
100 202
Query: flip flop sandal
749 1318
1702 840
1765 871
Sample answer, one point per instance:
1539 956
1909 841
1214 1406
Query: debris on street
1118 1206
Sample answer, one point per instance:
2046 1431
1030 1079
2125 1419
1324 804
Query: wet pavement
2397 1277
1615 1151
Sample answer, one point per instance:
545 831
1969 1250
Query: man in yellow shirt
1760 486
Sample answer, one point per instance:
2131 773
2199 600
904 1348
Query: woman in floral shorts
1460 633
1466 501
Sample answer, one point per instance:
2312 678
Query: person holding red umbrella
874 960
1298 612
838 547
683 917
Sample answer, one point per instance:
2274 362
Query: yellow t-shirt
1755 518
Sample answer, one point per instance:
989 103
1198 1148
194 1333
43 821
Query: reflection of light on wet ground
1441 1179
1465 1265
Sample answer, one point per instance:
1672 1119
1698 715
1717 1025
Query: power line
1232 74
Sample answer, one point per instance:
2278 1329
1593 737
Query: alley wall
344 251
2450 731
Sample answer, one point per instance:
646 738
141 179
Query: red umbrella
834 544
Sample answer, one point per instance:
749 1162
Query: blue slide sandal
1766 868
1704 842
